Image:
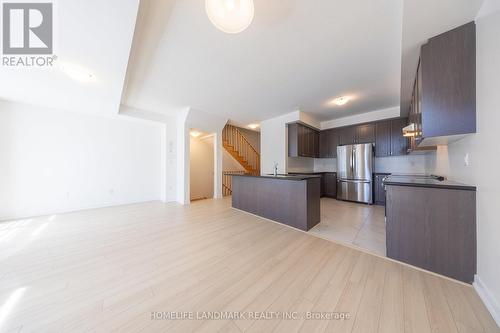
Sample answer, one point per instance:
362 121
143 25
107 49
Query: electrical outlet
467 159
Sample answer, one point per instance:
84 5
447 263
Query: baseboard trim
487 298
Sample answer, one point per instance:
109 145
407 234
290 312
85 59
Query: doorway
201 161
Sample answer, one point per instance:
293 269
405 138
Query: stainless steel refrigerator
355 173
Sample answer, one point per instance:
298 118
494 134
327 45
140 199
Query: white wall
54 161
484 160
201 168
182 157
274 142
169 167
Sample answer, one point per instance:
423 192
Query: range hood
410 131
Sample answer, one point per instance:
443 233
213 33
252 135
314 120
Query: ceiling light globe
230 16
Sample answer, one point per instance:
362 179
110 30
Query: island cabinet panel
399 143
383 139
433 228
365 133
294 201
449 83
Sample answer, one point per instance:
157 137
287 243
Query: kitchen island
293 200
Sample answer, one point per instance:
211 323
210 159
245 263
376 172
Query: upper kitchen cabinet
399 143
389 138
334 141
328 143
324 144
383 139
357 134
444 98
303 141
347 135
365 133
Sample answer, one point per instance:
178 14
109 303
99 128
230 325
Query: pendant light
230 16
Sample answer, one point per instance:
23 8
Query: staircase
238 146
227 181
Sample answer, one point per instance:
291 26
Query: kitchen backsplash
415 164
325 164
300 164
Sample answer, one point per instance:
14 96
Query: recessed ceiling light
342 100
253 126
77 72
195 133
230 16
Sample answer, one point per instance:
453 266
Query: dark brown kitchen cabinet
433 228
347 135
389 138
443 104
333 139
383 139
315 144
324 144
328 143
357 134
378 189
365 133
399 143
322 187
449 83
303 141
330 184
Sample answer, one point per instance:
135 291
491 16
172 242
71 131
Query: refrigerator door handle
351 161
357 181
354 162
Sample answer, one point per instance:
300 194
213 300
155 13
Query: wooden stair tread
232 135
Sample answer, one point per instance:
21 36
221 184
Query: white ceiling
295 55
93 34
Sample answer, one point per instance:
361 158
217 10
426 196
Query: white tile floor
353 224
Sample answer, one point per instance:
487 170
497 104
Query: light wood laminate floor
353 224
106 270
